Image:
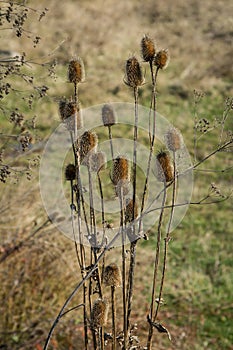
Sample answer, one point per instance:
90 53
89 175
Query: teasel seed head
98 161
133 73
108 115
120 170
112 275
173 139
129 210
164 168
70 111
76 71
162 59
87 145
147 48
99 313
70 172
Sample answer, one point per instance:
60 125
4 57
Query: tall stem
113 318
133 244
156 265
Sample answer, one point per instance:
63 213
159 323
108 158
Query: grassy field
38 267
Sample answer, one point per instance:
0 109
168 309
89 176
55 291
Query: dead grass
36 278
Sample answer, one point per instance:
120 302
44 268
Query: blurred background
37 263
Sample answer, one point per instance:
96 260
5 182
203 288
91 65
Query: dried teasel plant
164 167
173 139
148 49
76 71
133 73
99 313
162 59
87 144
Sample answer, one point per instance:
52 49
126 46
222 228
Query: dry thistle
76 72
70 114
70 172
87 144
161 59
133 72
98 161
173 139
129 210
99 313
121 170
164 170
108 115
112 275
147 48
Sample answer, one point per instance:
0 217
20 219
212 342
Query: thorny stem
156 264
133 244
167 238
151 138
123 269
113 318
110 139
79 195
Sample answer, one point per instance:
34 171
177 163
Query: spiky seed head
120 170
173 139
62 108
99 313
87 145
131 211
164 168
76 72
147 48
162 59
112 275
98 161
70 172
71 114
133 73
108 115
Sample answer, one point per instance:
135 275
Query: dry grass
38 276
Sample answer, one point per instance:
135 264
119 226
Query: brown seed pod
97 161
133 72
121 170
108 115
87 145
162 59
76 72
147 48
112 275
70 172
173 140
129 211
99 313
164 168
70 114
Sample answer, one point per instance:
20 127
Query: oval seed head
162 59
133 72
99 313
71 114
98 161
70 172
87 145
108 115
76 72
112 275
173 139
129 210
148 49
121 170
164 170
